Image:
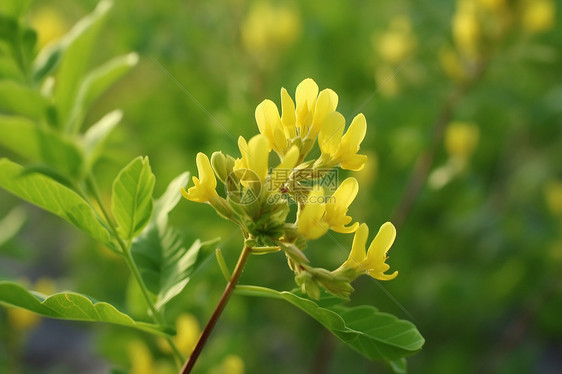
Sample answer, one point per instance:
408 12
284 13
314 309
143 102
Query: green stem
125 251
218 311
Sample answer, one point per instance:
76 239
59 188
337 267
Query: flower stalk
231 285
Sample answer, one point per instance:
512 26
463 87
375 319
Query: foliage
465 95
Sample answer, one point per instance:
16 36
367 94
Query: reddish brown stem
218 311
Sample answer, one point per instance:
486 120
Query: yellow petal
281 173
337 205
269 124
350 143
305 96
382 276
258 157
358 253
376 254
288 116
346 193
206 174
354 162
204 187
327 103
331 133
310 222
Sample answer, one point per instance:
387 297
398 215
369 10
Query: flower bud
222 165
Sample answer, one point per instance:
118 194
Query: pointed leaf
19 99
38 144
78 45
376 335
11 224
164 261
53 197
131 200
95 137
14 8
70 306
97 82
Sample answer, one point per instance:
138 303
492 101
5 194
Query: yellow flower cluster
258 197
393 48
478 24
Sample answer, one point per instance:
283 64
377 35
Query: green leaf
94 139
47 60
53 197
11 224
97 82
14 8
39 144
77 47
376 335
19 99
165 263
131 199
70 306
399 366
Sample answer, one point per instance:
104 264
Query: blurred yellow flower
397 43
538 15
22 319
466 28
493 5
204 189
372 261
187 334
49 24
268 29
461 139
553 196
140 358
452 64
231 364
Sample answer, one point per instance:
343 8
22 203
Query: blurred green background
479 252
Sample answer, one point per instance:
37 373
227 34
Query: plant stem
218 311
125 251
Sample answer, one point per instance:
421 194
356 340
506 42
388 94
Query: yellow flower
281 174
337 205
255 155
397 43
466 28
338 149
140 358
371 262
322 213
268 29
553 196
539 15
204 189
49 24
301 121
493 5
187 334
269 124
461 139
310 222
231 364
